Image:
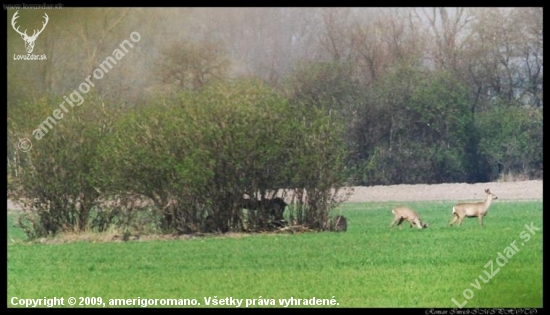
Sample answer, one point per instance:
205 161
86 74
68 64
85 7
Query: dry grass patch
105 237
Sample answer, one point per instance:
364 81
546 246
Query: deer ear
487 190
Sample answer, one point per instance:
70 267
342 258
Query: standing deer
402 213
472 210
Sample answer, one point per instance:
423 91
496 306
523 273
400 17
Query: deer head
29 40
490 194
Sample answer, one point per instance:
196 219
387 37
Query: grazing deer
274 207
472 210
402 213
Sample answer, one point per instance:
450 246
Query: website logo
29 40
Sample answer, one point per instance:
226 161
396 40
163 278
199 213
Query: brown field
520 190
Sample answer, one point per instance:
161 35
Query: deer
340 223
402 213
274 207
472 210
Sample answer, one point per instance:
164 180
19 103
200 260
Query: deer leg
453 220
396 219
460 220
480 218
400 223
393 222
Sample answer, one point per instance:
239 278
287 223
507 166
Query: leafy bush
511 140
196 155
59 179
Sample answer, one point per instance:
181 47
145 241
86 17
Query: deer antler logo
29 40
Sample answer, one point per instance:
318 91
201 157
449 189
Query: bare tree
390 36
504 55
447 27
191 65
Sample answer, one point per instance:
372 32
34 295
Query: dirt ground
519 190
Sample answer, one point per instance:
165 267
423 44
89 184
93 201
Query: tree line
455 92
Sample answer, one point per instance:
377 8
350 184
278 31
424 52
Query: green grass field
367 266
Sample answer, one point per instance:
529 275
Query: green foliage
329 85
197 155
511 140
415 128
324 94
59 179
317 164
189 158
